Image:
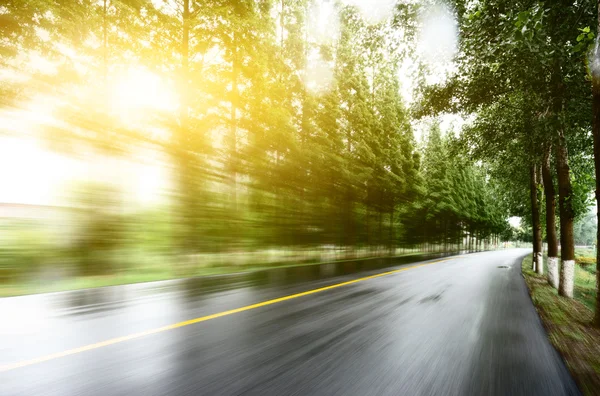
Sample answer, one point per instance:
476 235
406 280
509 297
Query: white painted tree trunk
569 268
540 263
553 278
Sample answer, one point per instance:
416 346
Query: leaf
523 16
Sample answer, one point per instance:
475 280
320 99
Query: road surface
454 326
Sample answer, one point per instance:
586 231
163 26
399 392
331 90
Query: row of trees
285 133
458 198
525 69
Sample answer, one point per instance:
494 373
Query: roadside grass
585 287
585 252
150 273
568 324
585 276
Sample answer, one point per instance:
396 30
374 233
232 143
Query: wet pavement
461 326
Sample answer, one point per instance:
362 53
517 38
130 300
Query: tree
529 49
550 200
258 154
595 73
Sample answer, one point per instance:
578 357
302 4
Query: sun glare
137 93
136 96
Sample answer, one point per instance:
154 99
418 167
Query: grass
585 252
147 274
585 276
585 287
568 323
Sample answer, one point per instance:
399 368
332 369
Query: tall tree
535 213
550 200
595 73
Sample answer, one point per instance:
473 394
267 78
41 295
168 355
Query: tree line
528 71
281 137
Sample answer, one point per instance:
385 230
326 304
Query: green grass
155 272
585 287
585 252
568 323
585 277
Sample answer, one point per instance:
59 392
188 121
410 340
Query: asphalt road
461 326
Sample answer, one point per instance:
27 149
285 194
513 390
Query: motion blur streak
463 327
196 320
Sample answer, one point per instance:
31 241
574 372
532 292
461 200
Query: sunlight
157 156
38 174
138 93
42 175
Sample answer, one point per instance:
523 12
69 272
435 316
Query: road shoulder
567 323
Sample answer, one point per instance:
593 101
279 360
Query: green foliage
258 158
585 230
584 40
458 197
521 71
585 261
25 248
99 229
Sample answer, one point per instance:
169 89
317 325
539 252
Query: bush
23 251
585 261
99 228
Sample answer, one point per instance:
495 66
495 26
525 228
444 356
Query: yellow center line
134 336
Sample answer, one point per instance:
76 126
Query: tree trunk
233 158
535 218
367 230
185 43
470 244
469 241
446 236
105 42
596 133
550 220
380 221
180 152
567 245
391 244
